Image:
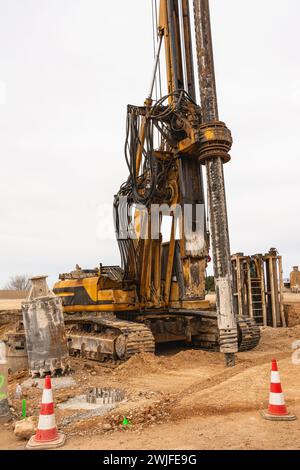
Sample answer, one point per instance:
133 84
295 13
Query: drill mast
158 294
191 138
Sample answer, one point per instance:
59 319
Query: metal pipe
156 66
250 298
239 286
263 291
274 316
281 286
276 288
207 80
216 186
183 47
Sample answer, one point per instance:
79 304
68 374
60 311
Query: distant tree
210 284
18 282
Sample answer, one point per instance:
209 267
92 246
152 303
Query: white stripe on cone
275 377
276 399
47 396
46 422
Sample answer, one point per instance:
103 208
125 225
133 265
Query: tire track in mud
179 411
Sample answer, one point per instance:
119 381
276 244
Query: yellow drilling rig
158 293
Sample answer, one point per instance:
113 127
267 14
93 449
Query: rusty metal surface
103 339
45 334
16 352
295 279
92 347
207 81
215 181
274 288
5 414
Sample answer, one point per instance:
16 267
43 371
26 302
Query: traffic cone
277 410
47 435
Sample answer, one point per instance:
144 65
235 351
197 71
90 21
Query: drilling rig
172 143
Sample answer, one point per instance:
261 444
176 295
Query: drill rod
216 188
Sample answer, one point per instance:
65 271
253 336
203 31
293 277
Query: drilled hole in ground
95 402
103 399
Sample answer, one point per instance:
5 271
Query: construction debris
46 338
19 392
26 428
292 313
58 383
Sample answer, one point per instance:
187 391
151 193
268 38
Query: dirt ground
10 304
180 399
291 298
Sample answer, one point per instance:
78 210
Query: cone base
36 445
269 417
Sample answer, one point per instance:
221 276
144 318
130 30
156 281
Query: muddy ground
179 399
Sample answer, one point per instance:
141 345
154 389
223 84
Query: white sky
68 68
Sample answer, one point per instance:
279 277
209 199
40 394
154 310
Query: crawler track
112 339
104 339
249 334
137 337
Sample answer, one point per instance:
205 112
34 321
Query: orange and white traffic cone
277 410
47 435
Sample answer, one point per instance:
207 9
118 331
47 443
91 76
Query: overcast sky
68 68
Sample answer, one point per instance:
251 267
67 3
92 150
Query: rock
87 366
107 427
26 428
